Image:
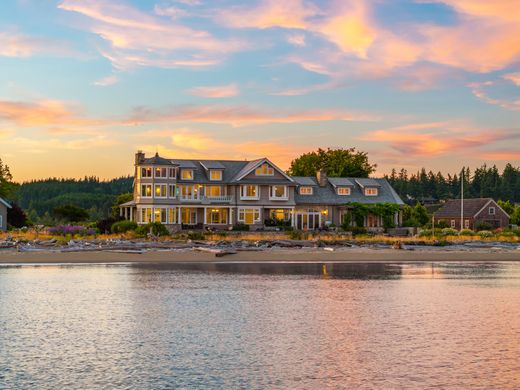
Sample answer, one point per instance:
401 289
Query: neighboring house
3 213
187 194
479 209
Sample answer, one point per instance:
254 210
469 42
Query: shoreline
350 255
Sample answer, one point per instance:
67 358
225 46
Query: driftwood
216 252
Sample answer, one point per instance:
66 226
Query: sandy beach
274 255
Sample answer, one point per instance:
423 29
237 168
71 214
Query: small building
475 210
3 213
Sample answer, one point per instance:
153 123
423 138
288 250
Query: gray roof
328 195
250 165
5 203
365 182
305 180
157 160
452 207
212 164
340 182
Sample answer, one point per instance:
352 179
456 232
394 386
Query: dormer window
305 190
187 174
146 172
215 175
371 191
492 211
161 172
343 191
264 170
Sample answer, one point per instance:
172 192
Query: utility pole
462 199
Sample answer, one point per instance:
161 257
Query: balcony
217 199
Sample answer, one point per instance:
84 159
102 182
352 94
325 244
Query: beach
269 255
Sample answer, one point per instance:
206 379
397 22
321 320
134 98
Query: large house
484 210
188 194
3 214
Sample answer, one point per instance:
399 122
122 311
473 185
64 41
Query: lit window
172 191
466 224
160 190
371 191
249 216
453 224
249 192
160 215
161 172
146 190
189 216
264 170
213 191
188 192
172 215
187 174
173 173
146 215
215 174
492 211
305 190
216 216
346 191
146 172
278 192
280 214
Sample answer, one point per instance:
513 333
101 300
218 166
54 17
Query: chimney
139 157
321 175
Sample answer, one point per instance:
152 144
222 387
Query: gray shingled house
188 194
477 209
3 213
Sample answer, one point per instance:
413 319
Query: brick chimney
139 157
321 175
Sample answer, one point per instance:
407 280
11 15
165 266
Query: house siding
3 217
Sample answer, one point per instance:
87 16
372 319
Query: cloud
221 91
135 38
106 81
438 138
479 91
296 39
15 44
244 115
513 77
38 146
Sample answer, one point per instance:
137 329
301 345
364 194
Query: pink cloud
513 77
15 44
479 91
221 91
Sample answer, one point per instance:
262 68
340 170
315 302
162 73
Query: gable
4 203
484 211
249 172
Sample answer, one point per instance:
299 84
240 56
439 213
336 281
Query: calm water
251 326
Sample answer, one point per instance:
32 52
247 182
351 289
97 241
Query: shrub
241 227
508 233
485 234
449 232
64 230
105 225
358 230
481 225
467 232
298 235
425 233
123 226
156 228
194 235
517 232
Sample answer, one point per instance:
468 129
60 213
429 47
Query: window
452 224
189 216
146 190
189 192
249 191
280 214
146 215
215 174
187 174
344 191
146 172
249 216
173 173
172 215
172 193
492 211
371 191
264 170
305 190
160 215
213 191
161 172
278 192
466 224
216 216
160 190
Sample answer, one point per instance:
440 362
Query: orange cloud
513 77
240 115
221 91
479 91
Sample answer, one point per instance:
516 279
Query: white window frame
209 212
207 192
172 215
147 170
186 171
453 224
371 191
195 192
163 215
141 192
242 214
212 171
162 187
306 190
192 212
145 212
1 221
163 172
466 224
172 191
172 173
246 197
494 210
272 195
269 171
343 191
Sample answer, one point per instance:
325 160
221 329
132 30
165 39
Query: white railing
218 199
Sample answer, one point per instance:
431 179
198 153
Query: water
257 327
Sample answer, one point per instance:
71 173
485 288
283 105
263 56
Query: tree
70 213
420 214
507 206
16 216
7 187
122 198
337 163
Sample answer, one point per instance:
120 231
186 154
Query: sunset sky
85 83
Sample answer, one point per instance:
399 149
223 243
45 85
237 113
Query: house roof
158 160
452 207
328 194
5 203
212 164
365 182
340 182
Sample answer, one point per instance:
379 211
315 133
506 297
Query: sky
84 84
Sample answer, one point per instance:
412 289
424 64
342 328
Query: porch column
179 219
292 217
120 211
205 219
229 217
131 213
